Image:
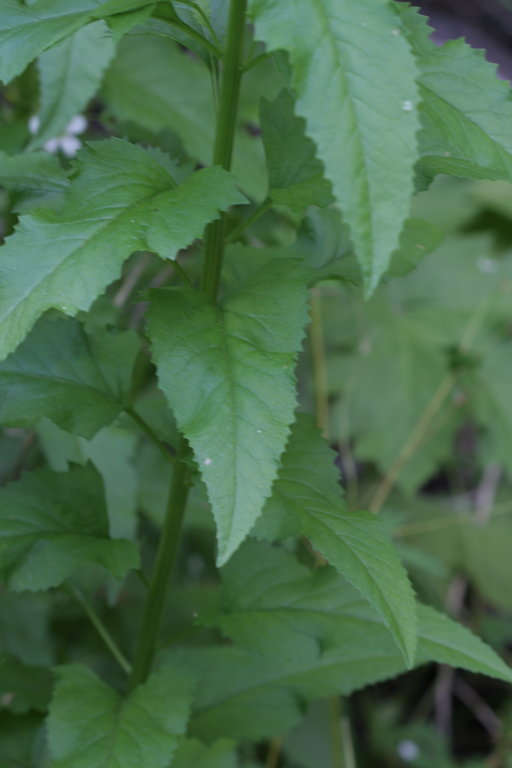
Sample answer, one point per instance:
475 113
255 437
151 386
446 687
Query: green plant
152 312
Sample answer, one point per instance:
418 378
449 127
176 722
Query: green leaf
192 754
306 499
25 628
120 196
309 635
91 725
70 74
36 177
465 110
360 109
227 372
22 687
80 382
53 523
29 30
296 176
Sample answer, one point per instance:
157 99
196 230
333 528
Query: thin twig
274 753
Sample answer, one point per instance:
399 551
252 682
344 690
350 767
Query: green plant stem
255 215
165 560
101 630
132 413
194 34
224 140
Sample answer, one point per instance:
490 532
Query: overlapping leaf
81 382
36 178
360 109
121 197
295 175
70 74
192 754
341 647
465 110
91 725
53 523
306 499
227 372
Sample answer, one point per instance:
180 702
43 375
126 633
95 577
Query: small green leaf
192 754
91 725
306 499
295 175
227 372
53 523
70 74
64 261
360 109
80 382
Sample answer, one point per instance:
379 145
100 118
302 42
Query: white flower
67 143
408 750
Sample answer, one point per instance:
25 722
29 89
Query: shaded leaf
22 687
80 382
360 110
53 523
240 357
295 175
36 177
91 725
306 499
192 754
465 110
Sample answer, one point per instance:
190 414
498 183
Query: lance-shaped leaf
91 725
51 524
305 635
465 110
295 175
227 372
121 197
306 499
70 74
355 80
80 382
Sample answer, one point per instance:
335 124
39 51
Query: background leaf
70 74
53 523
80 382
90 724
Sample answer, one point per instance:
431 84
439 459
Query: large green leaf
306 499
70 74
23 687
92 726
295 175
306 635
53 523
81 382
121 197
360 109
227 372
465 110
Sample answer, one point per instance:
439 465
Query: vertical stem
321 385
165 559
224 140
214 246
